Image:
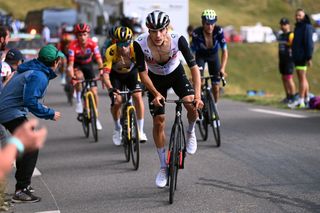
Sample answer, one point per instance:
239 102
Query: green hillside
249 12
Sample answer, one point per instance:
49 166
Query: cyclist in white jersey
160 69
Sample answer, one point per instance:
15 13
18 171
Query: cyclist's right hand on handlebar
158 100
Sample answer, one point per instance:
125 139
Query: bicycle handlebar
129 91
180 101
224 82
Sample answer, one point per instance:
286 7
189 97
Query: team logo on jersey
70 52
111 52
88 51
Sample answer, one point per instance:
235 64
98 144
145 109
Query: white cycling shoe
162 178
117 137
191 142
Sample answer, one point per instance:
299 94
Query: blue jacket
302 45
23 91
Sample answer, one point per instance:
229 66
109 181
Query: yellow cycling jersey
116 62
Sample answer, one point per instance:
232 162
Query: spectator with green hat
20 96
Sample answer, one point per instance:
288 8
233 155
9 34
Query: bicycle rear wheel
173 160
203 123
93 119
134 140
214 119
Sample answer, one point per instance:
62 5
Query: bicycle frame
126 106
87 93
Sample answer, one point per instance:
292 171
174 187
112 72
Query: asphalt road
266 163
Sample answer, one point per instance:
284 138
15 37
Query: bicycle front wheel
125 141
214 120
93 119
173 160
203 123
134 139
85 123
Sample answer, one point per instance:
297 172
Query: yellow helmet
123 34
209 16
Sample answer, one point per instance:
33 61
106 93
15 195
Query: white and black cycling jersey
144 55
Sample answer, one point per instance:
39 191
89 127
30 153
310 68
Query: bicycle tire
214 119
203 124
93 119
125 141
173 161
134 140
85 123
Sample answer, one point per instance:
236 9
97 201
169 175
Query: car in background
28 44
53 18
30 48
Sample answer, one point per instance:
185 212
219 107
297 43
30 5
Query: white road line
36 172
278 113
54 211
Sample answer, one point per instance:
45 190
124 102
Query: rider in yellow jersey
119 70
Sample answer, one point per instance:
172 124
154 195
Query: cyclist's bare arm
149 85
142 68
196 79
224 60
106 80
195 72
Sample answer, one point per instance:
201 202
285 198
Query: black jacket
302 46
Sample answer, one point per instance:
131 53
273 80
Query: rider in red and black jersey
80 64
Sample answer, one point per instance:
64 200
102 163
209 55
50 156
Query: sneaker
24 196
191 142
162 178
117 137
79 108
297 104
143 137
31 189
99 126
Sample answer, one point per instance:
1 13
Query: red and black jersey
80 55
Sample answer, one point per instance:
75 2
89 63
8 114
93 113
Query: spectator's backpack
315 102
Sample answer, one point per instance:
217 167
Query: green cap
49 53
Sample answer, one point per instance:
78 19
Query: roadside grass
249 12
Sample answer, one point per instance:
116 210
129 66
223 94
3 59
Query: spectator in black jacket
302 48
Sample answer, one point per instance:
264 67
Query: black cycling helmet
157 20
123 34
111 32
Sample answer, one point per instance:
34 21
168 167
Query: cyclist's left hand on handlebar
158 100
198 103
223 73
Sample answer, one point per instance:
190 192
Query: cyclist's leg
132 84
200 62
88 73
116 107
303 82
214 70
78 87
184 90
157 113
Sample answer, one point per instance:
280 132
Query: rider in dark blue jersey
206 41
